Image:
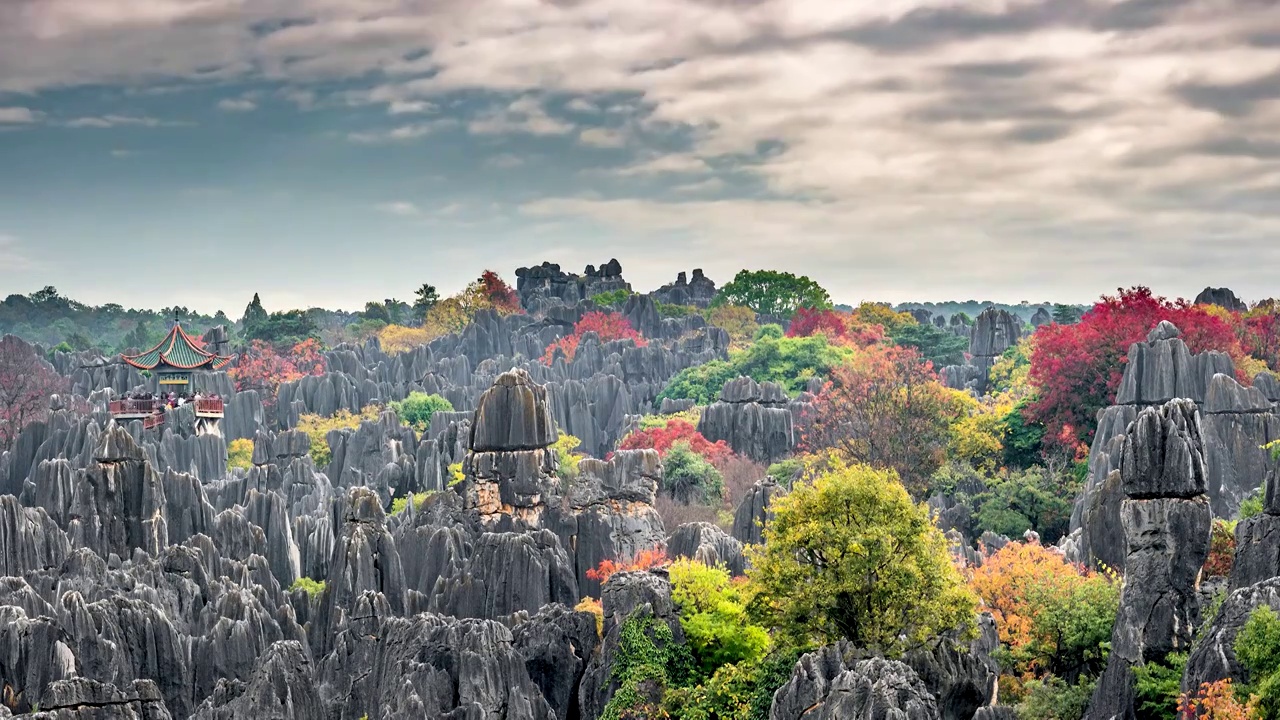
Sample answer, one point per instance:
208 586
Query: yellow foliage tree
870 313
447 316
396 339
737 320
240 454
317 428
977 434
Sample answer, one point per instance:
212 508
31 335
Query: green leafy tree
1258 650
769 292
1066 314
851 557
689 477
790 362
425 298
376 311
937 346
417 409
713 614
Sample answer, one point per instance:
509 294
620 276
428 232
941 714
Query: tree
689 477
27 382
608 326
1076 369
737 320
811 321
1053 617
676 430
263 369
851 557
885 408
376 311
417 409
426 298
934 344
1066 314
499 294
773 293
396 339
255 316
713 615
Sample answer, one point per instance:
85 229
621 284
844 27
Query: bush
567 459
850 556
934 344
612 299
644 560
593 606
1251 506
714 617
648 657
675 311
786 471
1258 650
790 362
240 454
399 504
318 428
417 409
690 477
1054 699
396 339
771 331
664 437
607 326
1158 686
1030 500
1222 549
313 588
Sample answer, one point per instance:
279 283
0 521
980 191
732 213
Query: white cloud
682 163
400 107
237 105
400 207
121 153
714 184
18 115
110 121
505 161
402 133
603 137
524 115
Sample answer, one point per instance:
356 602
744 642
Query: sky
330 152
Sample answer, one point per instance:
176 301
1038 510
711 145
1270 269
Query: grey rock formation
833 683
709 545
86 699
282 688
961 679
548 282
1222 297
753 514
1214 657
1166 518
753 419
699 291
1041 317
556 644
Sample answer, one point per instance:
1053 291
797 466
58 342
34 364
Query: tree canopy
850 556
773 293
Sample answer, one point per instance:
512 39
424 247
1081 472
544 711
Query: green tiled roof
177 350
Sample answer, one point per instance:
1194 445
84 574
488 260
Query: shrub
419 502
1251 506
313 588
1258 650
771 331
648 657
850 556
396 339
689 477
455 474
713 615
643 561
1215 701
934 344
786 471
737 320
417 409
812 321
1054 699
612 299
1222 549
318 428
790 362
568 460
1158 686
240 454
1015 502
593 606
666 310
608 326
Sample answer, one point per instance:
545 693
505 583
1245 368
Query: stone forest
569 499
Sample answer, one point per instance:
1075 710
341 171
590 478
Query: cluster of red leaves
1077 368
26 383
837 326
607 325
644 560
884 408
263 369
1222 550
1214 701
504 298
675 431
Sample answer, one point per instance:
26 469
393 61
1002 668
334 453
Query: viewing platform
142 409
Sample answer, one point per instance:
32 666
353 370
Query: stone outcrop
556 644
833 683
709 545
1166 519
1041 317
548 282
753 514
1222 297
755 420
1214 657
962 680
698 291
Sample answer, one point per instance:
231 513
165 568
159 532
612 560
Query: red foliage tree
644 560
261 368
26 384
607 325
677 430
885 408
504 299
1260 334
1222 550
811 321
1077 368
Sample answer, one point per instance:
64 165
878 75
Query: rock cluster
993 332
755 419
699 291
1222 297
1166 520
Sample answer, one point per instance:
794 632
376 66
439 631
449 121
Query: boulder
709 545
832 684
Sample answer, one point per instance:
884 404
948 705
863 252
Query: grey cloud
1240 147
925 27
1037 134
1233 100
1010 70
1138 14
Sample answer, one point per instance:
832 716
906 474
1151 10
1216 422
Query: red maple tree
1076 369
263 369
27 382
607 325
675 431
504 298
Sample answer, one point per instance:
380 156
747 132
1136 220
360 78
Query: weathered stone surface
513 415
753 514
832 684
960 680
281 688
994 331
1214 657
86 699
1041 317
753 419
509 573
709 545
1163 453
1222 297
556 644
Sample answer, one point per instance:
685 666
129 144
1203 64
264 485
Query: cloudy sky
326 152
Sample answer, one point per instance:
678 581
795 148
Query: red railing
208 406
134 407
152 422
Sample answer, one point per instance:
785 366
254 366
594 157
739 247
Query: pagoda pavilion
174 363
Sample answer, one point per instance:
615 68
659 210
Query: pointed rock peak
513 415
1164 331
364 506
116 445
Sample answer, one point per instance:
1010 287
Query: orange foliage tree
1054 617
263 369
644 560
1214 701
885 408
677 430
607 325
